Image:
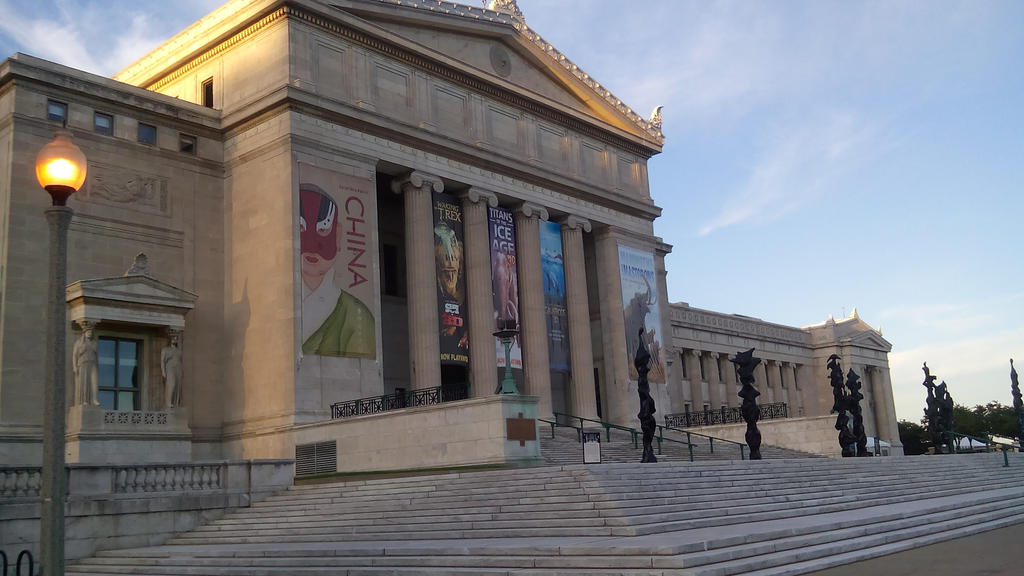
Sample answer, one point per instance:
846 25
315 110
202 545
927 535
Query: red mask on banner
318 224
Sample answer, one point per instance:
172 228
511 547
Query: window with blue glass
119 373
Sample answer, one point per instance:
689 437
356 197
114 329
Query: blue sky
821 155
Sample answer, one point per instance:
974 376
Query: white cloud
801 161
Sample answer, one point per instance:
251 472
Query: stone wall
816 435
112 507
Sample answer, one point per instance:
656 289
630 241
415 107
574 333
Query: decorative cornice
417 180
476 195
531 210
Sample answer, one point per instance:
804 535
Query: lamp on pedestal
507 331
60 169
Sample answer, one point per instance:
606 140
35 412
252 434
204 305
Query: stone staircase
715 518
565 448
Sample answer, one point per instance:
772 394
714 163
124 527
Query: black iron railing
24 555
400 399
724 415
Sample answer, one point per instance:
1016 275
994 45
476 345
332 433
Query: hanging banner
336 224
451 280
640 309
504 278
555 309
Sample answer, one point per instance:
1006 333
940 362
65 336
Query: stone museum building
294 204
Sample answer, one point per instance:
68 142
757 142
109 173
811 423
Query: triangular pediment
500 50
871 340
132 289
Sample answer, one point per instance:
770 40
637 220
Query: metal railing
399 400
711 440
24 555
723 415
955 438
608 426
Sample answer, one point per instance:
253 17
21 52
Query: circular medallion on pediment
501 61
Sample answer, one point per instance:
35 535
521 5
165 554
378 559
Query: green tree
914 438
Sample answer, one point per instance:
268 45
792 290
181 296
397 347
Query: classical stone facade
341 199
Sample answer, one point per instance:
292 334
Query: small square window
56 111
187 144
103 123
147 133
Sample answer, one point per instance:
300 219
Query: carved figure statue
853 403
945 410
840 402
172 370
1018 406
932 410
745 363
648 425
85 363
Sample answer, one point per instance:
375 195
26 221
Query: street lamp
507 330
60 169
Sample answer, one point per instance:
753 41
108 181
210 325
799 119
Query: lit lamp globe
60 168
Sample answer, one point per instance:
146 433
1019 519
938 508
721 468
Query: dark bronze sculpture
1018 406
745 363
945 414
932 410
646 414
847 441
853 404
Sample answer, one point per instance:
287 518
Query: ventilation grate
319 458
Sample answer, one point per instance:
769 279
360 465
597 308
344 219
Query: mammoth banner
555 308
504 278
451 279
640 309
336 223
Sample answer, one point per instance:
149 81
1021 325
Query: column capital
571 222
713 355
477 195
531 210
418 180
693 352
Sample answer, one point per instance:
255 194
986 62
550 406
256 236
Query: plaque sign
591 447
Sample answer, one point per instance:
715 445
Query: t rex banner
640 309
504 278
451 280
336 223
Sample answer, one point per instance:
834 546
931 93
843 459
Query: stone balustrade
167 478
20 482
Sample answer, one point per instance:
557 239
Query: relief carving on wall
128 189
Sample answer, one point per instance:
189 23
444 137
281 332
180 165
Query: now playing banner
451 280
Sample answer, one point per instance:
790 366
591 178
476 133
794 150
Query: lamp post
507 330
60 169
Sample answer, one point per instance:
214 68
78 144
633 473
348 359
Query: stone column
532 323
584 403
483 365
692 359
881 374
621 396
424 347
764 383
714 382
793 395
732 385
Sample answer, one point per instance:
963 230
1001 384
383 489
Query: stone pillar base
99 436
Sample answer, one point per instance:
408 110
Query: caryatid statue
642 361
840 402
745 363
932 409
860 438
85 364
172 370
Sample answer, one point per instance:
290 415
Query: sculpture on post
932 410
847 440
745 363
172 370
853 403
1018 406
642 361
85 364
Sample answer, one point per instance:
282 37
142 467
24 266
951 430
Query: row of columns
417 189
767 374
